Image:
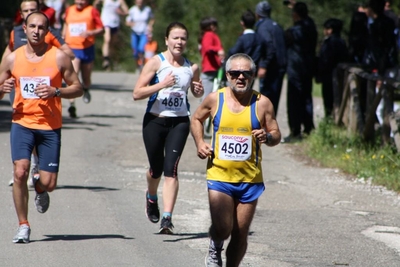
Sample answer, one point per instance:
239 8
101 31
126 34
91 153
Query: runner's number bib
172 100
29 84
75 29
234 147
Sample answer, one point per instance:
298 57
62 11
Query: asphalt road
308 216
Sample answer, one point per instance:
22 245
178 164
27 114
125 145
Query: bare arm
74 86
6 52
142 88
65 48
196 87
124 7
206 108
7 83
269 125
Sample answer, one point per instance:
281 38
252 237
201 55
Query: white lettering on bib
172 100
75 29
234 147
29 84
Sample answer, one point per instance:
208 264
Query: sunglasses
236 73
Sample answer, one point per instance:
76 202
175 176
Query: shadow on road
187 236
110 87
91 188
80 237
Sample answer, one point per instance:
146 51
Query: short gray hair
240 56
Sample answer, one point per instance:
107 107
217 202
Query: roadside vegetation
332 146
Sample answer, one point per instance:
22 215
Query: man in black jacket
273 61
301 41
248 43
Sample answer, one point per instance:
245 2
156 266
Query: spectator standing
357 35
301 40
381 49
110 16
141 20
248 43
272 66
166 79
333 51
36 71
212 53
82 25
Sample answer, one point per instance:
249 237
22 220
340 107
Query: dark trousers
299 105
327 95
271 86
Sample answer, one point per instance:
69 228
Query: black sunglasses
236 73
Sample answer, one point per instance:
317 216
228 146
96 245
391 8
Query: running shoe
152 211
72 112
86 96
23 233
166 227
11 182
213 257
42 200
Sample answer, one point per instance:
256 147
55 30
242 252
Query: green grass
334 148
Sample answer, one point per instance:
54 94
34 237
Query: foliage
333 147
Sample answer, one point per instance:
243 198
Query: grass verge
333 147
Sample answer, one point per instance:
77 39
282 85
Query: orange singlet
28 109
79 21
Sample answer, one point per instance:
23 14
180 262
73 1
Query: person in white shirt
141 20
110 16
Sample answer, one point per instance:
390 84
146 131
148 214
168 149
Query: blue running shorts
47 143
244 192
86 55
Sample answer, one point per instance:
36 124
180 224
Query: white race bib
172 100
75 29
29 84
235 147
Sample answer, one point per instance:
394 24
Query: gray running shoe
213 257
42 202
86 96
23 233
166 227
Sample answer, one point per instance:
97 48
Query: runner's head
176 37
27 7
240 71
36 26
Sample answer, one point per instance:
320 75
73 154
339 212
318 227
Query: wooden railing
357 95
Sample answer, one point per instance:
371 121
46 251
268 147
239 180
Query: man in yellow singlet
243 120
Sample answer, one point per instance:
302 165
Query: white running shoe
23 234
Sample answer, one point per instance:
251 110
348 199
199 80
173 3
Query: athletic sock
24 222
167 214
152 197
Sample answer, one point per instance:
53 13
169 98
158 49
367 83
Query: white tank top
171 101
109 15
